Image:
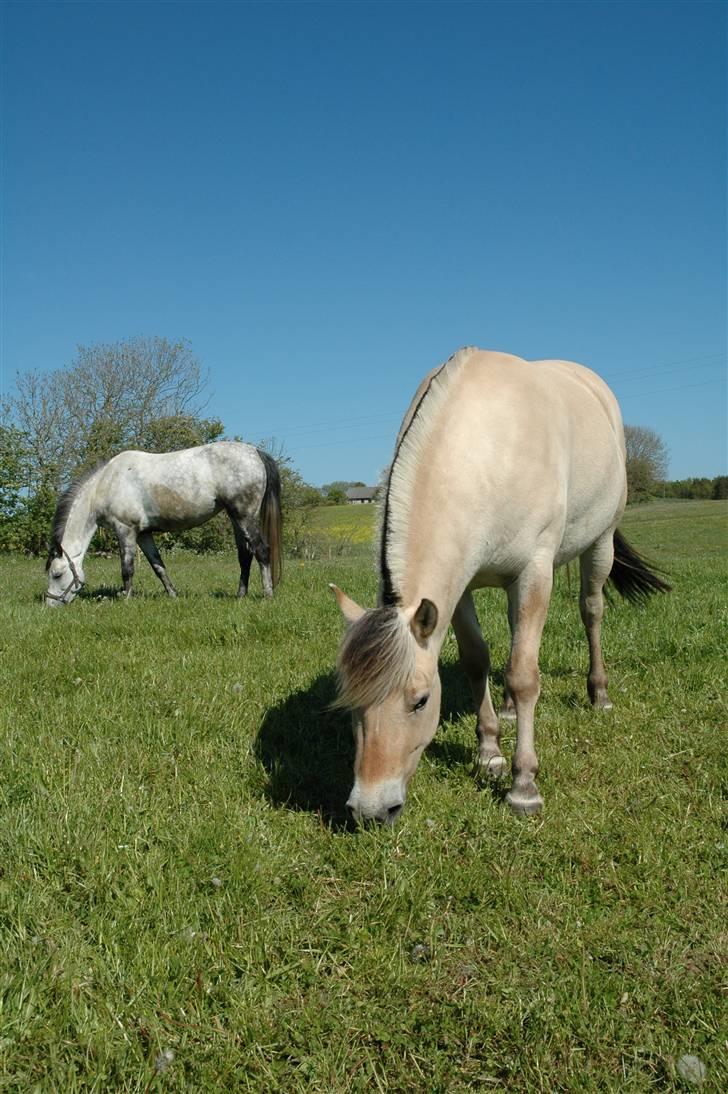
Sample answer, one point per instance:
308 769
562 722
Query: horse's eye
421 702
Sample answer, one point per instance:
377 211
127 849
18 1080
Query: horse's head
388 677
65 576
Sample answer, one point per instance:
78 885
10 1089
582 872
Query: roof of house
361 493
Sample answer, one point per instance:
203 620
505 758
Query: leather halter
75 584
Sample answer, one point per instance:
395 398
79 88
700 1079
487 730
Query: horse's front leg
149 547
475 659
528 597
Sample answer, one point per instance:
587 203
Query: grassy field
182 906
354 523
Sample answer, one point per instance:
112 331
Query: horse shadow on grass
307 748
101 592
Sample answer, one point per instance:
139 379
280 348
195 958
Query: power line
660 391
345 440
636 374
301 431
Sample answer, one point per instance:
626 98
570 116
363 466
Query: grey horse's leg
596 565
262 555
150 549
529 597
245 555
475 659
127 550
508 710
247 532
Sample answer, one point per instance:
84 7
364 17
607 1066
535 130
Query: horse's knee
591 609
523 683
262 553
476 665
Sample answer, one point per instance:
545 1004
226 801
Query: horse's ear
424 620
348 607
54 551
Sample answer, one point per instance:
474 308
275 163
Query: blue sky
328 199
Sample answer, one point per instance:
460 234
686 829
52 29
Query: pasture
183 906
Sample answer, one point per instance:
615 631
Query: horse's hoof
524 805
493 767
603 704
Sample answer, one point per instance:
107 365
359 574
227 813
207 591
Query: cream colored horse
503 470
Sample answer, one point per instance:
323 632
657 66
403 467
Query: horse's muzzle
380 805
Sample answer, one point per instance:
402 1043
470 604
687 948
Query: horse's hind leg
262 555
127 551
251 544
149 547
596 564
528 597
245 556
475 659
507 711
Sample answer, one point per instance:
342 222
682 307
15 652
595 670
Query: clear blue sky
329 199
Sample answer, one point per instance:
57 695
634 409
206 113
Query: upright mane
63 508
411 447
377 656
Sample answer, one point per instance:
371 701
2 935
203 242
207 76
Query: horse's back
540 449
168 490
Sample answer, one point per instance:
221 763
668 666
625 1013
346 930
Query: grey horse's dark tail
632 576
271 516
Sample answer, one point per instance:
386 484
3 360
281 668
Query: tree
298 498
335 496
180 431
720 488
140 393
647 458
13 476
107 399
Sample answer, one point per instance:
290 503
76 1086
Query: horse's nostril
393 812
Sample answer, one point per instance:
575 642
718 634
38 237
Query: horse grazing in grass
138 493
503 470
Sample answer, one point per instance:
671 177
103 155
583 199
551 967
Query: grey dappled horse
138 493
503 470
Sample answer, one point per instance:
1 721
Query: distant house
361 495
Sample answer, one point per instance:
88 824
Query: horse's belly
585 528
167 510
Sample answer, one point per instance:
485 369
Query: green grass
175 876
355 523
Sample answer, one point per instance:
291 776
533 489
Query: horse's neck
439 575
81 522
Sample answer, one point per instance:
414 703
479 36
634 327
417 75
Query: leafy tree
141 393
13 477
180 431
646 461
720 487
108 399
335 492
298 498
